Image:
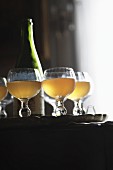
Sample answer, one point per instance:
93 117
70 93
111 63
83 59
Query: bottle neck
27 35
28 57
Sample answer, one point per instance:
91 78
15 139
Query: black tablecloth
55 143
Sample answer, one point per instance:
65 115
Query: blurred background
73 33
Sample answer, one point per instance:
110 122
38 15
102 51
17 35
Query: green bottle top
28 57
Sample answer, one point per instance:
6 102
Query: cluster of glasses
59 84
82 90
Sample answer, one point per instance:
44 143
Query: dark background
11 14
51 19
53 31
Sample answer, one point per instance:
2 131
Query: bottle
28 58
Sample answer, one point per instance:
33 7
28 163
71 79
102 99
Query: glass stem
78 108
60 109
24 110
82 109
3 106
3 111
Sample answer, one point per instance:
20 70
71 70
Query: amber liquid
3 92
58 87
81 90
24 89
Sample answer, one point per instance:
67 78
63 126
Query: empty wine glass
58 83
82 91
91 110
23 84
6 101
3 90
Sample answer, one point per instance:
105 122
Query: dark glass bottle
29 58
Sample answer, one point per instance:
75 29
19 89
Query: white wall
94 44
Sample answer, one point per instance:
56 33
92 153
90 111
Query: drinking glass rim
81 71
62 72
24 68
55 68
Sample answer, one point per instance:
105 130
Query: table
55 143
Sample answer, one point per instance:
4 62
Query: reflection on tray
86 118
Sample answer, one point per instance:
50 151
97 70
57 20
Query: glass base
60 109
78 108
24 112
3 115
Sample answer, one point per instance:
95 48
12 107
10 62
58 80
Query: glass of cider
24 84
58 83
82 91
3 92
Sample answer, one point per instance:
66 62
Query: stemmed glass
3 91
82 91
58 83
23 84
3 104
